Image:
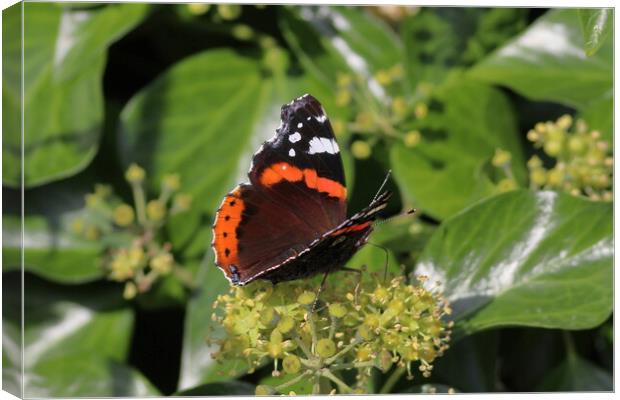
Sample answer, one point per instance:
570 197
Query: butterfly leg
387 259
318 293
359 273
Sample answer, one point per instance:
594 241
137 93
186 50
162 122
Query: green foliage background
186 90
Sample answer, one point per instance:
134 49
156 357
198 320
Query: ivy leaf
64 59
547 62
540 259
450 167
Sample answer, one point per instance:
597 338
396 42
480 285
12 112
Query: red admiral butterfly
289 221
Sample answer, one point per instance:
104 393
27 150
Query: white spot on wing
323 145
295 137
291 153
299 125
308 119
321 118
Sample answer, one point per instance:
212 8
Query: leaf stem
344 388
392 380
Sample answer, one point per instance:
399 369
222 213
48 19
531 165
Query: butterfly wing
296 193
301 168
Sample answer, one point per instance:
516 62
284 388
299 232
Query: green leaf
203 119
600 116
64 58
197 366
52 250
332 40
547 62
596 24
63 325
438 39
540 259
85 375
579 375
448 169
226 388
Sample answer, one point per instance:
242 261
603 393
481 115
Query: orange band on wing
351 228
225 240
286 172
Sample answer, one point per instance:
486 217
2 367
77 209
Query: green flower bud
577 145
306 298
337 310
538 176
553 147
501 158
412 138
229 12
291 364
421 110
135 174
198 8
162 263
372 321
155 210
242 32
506 185
360 149
385 360
264 390
326 348
171 182
123 215
130 291
399 106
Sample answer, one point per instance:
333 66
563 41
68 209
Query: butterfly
290 220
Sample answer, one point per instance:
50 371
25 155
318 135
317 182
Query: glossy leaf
52 249
63 99
600 116
447 170
62 323
333 40
197 366
577 374
525 258
596 24
86 375
203 119
547 62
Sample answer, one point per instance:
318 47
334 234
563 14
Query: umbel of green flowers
135 253
583 164
359 325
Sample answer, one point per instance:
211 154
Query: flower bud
155 210
285 324
306 298
412 138
501 158
130 291
135 174
360 149
171 182
291 364
123 215
337 310
229 12
326 348
162 263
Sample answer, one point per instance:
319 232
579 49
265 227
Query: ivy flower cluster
135 253
360 324
583 163
372 118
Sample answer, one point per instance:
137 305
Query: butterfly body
289 221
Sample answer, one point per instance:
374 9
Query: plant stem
341 352
292 381
392 380
571 353
344 388
140 202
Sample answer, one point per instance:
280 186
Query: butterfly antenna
408 212
387 176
